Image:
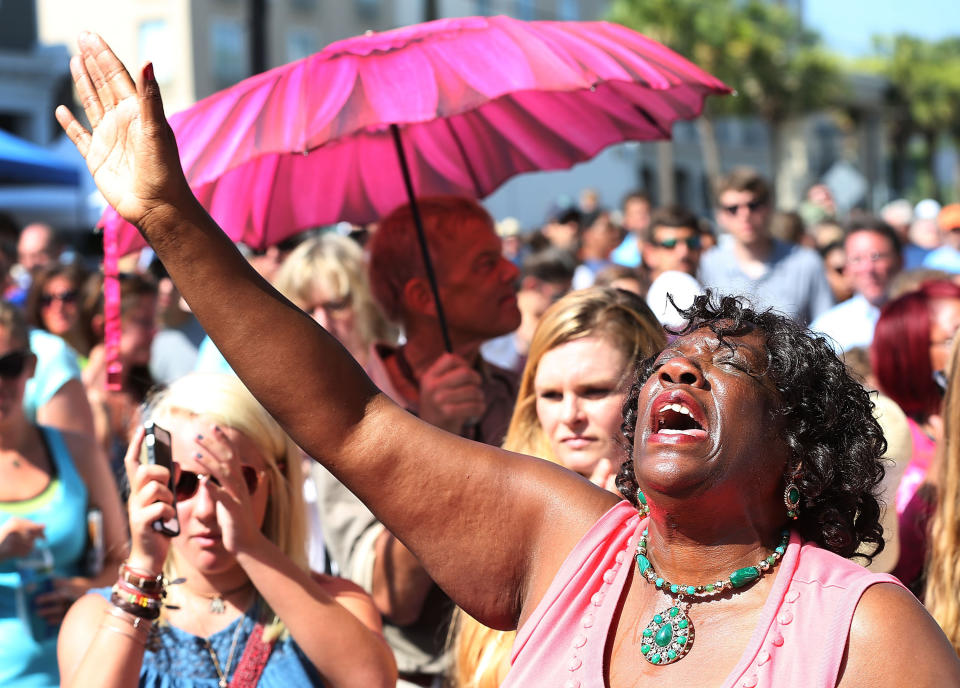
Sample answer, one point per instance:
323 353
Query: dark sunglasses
693 243
752 206
12 364
189 482
64 297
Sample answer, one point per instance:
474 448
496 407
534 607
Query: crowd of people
661 449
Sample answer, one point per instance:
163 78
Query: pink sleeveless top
799 640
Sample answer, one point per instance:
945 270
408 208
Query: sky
848 25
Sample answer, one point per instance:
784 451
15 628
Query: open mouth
676 417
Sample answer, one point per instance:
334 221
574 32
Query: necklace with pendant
669 635
225 672
217 603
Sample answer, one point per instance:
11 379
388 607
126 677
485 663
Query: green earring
642 503
791 498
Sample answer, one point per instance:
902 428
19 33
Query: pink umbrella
476 101
455 106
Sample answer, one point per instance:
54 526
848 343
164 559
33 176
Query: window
229 52
568 10
300 44
524 9
368 9
153 45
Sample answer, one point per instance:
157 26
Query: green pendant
672 634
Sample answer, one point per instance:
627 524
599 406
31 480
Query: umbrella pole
421 237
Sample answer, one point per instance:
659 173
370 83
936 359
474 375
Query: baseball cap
949 217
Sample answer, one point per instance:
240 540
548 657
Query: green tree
778 68
925 78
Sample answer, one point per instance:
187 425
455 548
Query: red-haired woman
910 349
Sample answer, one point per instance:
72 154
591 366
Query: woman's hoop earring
642 507
791 498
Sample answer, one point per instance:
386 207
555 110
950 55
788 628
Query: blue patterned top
177 659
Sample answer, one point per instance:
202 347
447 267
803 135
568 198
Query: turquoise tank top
62 506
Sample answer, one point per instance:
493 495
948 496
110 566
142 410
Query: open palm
130 151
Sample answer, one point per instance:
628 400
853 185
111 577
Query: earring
642 503
791 498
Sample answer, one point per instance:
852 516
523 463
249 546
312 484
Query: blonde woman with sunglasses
229 599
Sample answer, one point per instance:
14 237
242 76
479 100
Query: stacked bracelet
143 580
138 593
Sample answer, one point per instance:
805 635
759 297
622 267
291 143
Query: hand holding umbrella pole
421 237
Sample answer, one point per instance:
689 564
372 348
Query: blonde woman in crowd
326 277
568 411
246 603
943 564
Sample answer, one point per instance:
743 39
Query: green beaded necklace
669 635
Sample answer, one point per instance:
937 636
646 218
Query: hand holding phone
157 450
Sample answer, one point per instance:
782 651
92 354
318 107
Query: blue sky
847 25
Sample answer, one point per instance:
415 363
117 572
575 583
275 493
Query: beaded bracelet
144 607
142 612
137 598
125 587
141 579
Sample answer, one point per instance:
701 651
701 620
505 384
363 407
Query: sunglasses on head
63 297
12 364
752 206
693 243
189 482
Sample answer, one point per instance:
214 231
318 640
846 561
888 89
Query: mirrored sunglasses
189 482
12 364
693 243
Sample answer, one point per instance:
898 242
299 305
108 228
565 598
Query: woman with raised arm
754 452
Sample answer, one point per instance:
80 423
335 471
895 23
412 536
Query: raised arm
490 527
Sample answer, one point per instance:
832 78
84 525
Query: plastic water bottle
36 578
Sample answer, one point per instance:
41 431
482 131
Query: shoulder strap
253 661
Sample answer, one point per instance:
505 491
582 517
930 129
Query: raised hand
130 151
150 499
237 518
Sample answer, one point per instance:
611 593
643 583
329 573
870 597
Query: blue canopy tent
22 162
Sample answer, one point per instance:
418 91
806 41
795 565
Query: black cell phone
156 445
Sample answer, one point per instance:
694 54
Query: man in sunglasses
748 261
673 242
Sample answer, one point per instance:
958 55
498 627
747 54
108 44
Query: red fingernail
148 72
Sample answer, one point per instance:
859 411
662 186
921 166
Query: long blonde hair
480 654
943 565
619 316
225 400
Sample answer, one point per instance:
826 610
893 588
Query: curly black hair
829 424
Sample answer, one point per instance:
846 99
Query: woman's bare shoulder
890 632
